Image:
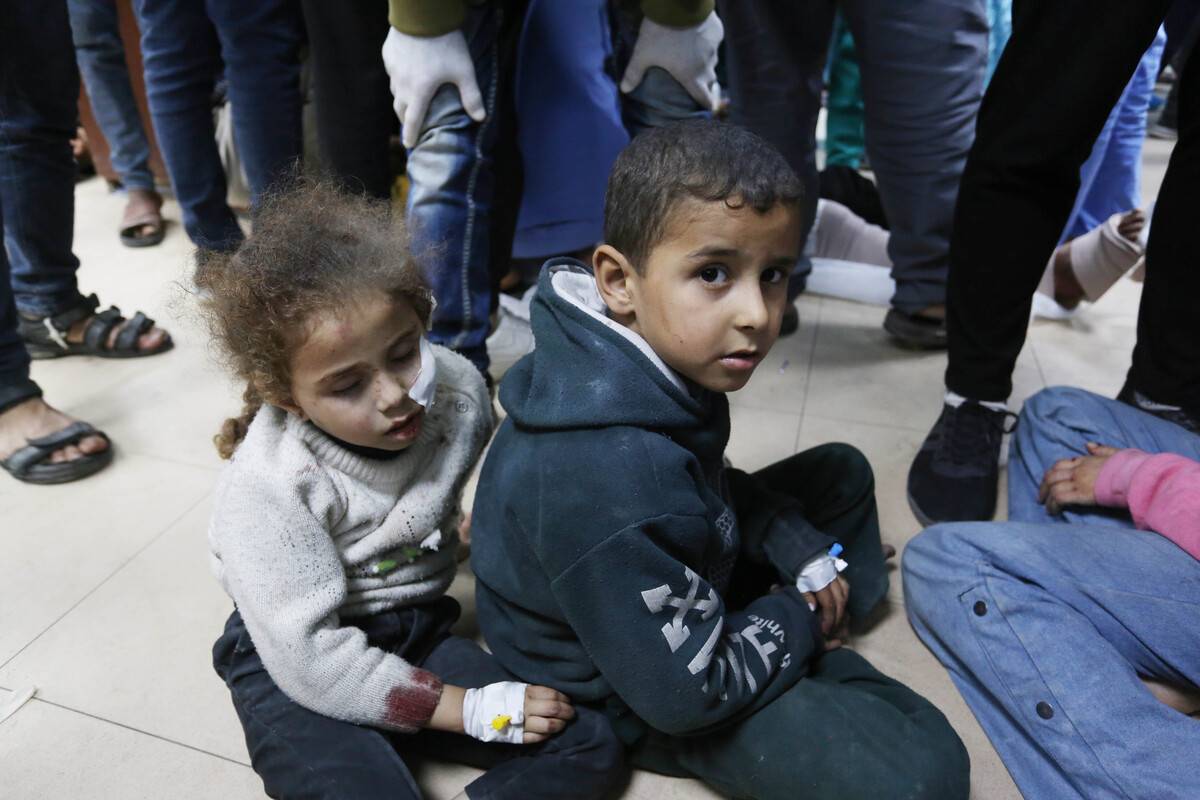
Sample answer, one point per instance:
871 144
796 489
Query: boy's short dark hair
698 159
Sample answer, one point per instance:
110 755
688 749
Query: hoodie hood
587 371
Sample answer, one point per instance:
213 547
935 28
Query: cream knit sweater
305 533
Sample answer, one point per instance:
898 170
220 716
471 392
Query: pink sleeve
1162 493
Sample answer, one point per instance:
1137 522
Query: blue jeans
101 57
186 45
1110 181
299 753
1045 623
39 87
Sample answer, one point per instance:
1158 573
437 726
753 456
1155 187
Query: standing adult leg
775 56
1166 360
923 64
1061 73
355 120
260 46
182 61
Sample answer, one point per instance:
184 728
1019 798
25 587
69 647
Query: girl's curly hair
313 248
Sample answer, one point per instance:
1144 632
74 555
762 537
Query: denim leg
845 731
39 89
182 61
450 199
299 753
1058 423
922 65
260 46
101 56
586 760
15 384
1110 180
1045 630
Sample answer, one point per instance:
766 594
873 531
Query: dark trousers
301 754
845 730
1063 70
39 88
355 120
922 64
188 45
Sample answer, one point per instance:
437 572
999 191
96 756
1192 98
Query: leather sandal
29 463
46 337
142 223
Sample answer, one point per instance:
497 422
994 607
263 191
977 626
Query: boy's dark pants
846 730
301 754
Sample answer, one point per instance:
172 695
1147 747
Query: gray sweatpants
922 64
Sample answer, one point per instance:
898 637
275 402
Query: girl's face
351 375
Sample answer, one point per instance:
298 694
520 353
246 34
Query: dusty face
351 375
711 295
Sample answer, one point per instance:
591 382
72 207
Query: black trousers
354 105
1063 70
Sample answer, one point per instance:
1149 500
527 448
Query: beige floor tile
759 438
146 638
650 786
61 542
1089 352
51 752
858 374
895 650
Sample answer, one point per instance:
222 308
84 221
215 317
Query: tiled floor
107 605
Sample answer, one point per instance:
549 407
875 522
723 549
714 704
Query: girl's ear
289 405
616 279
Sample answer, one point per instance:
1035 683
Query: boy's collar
577 285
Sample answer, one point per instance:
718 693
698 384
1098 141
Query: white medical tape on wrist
425 385
819 573
496 712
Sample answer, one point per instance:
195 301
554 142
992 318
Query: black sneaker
1132 397
953 478
915 332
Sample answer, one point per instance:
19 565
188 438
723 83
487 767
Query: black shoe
915 332
1132 397
953 478
791 321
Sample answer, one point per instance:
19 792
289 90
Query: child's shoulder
273 458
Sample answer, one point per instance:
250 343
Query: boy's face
711 295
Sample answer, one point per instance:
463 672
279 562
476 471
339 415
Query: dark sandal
46 337
144 210
28 463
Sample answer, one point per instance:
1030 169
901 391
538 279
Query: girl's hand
547 712
1072 481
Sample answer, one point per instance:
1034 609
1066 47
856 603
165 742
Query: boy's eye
773 275
713 275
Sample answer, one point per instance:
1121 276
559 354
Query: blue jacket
606 528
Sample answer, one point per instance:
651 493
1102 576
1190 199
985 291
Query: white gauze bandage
424 386
819 573
496 712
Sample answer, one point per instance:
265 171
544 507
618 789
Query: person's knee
1046 407
848 472
937 560
938 766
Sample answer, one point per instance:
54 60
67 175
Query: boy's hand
547 712
1072 481
830 604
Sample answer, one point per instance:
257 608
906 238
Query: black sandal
46 337
28 463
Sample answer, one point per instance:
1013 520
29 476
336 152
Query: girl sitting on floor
336 524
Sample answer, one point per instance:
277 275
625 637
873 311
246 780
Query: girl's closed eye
347 388
713 274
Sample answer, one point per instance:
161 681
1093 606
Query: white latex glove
819 572
496 712
418 66
688 54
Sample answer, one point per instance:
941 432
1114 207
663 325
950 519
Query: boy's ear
614 278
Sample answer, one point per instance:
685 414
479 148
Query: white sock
955 400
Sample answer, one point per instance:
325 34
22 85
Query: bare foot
147 341
1131 224
1068 293
33 419
933 312
889 552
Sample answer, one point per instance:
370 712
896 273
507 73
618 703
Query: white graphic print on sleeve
660 597
733 655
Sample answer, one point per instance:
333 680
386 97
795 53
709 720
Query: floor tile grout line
812 355
214 468
175 520
152 735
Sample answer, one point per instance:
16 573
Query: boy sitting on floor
620 561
